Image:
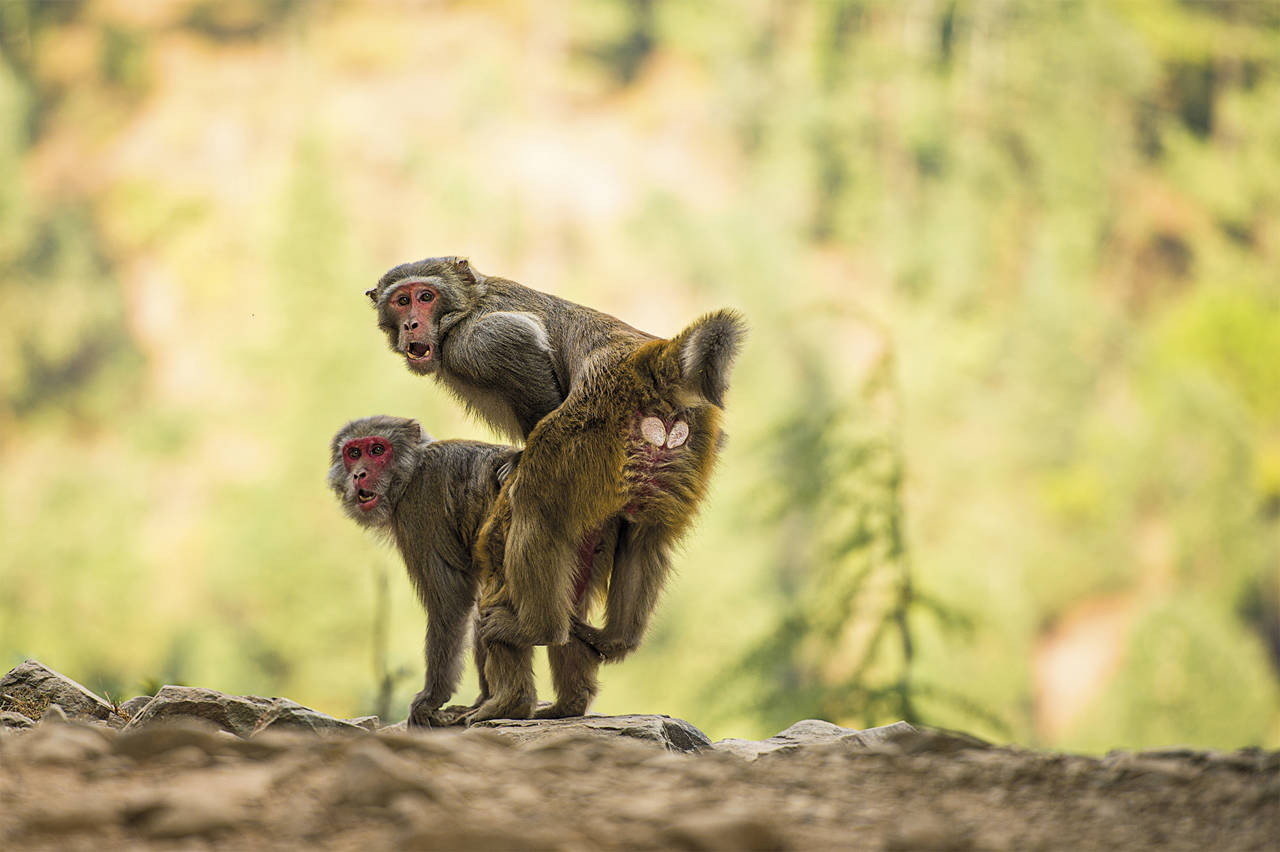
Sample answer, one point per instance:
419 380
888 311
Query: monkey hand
501 624
509 467
423 715
607 648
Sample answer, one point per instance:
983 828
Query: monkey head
371 463
419 302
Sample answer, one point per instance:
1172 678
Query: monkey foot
563 711
496 708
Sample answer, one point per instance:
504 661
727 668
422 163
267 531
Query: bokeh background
1005 441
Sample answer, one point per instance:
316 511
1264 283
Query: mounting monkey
621 469
589 383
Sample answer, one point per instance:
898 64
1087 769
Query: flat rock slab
33 686
816 732
672 734
242 715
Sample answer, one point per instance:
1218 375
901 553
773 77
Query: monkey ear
463 265
423 434
372 293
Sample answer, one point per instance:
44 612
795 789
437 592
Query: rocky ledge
194 768
32 692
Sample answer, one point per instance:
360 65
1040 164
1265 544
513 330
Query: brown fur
576 384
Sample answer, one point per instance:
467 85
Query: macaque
431 498
621 431
516 357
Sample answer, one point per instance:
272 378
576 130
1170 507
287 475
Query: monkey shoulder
476 463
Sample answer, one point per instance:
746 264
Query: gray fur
437 495
502 345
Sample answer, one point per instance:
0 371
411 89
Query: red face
412 305
366 460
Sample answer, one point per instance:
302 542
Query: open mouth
418 351
366 499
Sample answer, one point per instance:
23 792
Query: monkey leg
639 572
449 598
567 484
573 672
479 652
509 672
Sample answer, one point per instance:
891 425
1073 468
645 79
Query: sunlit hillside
1004 443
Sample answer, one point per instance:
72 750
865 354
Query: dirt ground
72 787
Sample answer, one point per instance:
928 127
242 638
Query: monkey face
410 316
371 461
366 461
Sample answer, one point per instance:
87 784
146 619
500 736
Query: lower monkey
431 498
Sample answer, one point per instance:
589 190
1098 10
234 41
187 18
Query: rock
242 715
711 832
369 723
74 744
811 732
186 811
672 734
134 705
34 686
53 713
15 721
143 744
71 815
235 713
284 714
372 775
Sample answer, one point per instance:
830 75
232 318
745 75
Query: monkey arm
507 353
449 596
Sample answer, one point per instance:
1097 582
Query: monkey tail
707 349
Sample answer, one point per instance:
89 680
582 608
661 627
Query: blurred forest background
1005 442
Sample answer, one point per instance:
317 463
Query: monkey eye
402 301
426 296
377 449
353 452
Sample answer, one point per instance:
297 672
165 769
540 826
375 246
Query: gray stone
239 714
35 686
811 732
53 713
672 734
134 705
284 714
242 715
15 721
369 723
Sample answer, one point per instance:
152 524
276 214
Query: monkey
518 358
509 353
620 470
431 499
